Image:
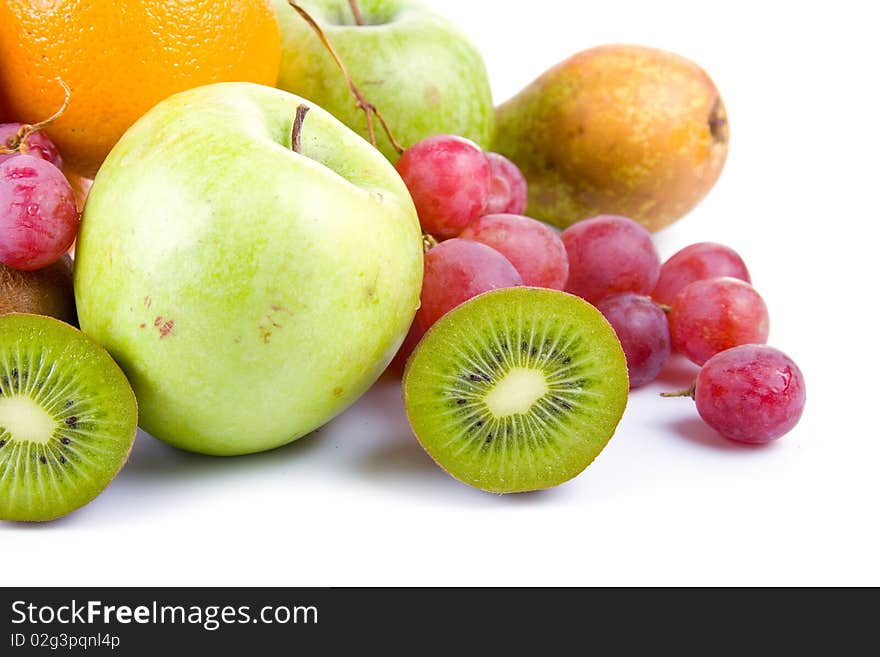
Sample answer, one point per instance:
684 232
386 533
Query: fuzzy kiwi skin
47 291
41 326
543 301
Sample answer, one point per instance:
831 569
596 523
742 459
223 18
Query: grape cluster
699 302
473 202
38 214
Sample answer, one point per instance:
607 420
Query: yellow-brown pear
616 129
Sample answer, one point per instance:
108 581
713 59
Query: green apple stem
296 139
369 109
690 392
356 10
17 143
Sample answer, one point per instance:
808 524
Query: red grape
457 270
609 255
716 314
533 248
449 180
697 262
38 217
508 193
643 332
751 393
36 144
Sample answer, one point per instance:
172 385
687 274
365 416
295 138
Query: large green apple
250 292
415 66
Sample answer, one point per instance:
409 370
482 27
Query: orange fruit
120 58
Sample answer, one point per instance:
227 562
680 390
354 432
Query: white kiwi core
515 394
25 420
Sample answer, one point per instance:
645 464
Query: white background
668 502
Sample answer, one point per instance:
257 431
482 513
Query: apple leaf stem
690 392
16 143
356 10
296 137
369 109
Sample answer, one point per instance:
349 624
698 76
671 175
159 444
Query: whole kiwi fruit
47 291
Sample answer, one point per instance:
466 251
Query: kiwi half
68 418
518 389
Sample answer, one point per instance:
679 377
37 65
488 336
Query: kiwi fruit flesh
68 418
46 291
518 389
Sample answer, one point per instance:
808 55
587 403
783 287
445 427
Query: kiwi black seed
46 291
68 418
518 389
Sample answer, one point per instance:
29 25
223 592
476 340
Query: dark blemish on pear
166 329
718 123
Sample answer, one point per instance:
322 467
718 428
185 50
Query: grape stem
356 10
690 392
369 109
296 136
428 241
17 143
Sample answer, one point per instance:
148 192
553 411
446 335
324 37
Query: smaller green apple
416 67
